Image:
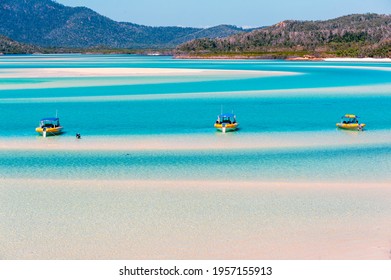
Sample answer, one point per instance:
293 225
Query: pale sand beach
382 90
73 219
128 72
214 142
65 77
355 59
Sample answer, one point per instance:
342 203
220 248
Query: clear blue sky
247 13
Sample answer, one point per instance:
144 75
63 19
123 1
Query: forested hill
8 46
353 35
47 23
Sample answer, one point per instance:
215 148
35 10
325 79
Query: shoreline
291 58
352 59
228 57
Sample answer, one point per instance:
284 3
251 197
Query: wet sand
194 142
71 219
129 72
85 77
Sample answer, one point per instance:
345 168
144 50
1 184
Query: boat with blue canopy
49 127
226 122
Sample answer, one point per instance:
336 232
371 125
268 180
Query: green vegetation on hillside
47 23
354 35
8 46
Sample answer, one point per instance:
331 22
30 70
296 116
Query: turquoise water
291 186
315 165
281 111
311 101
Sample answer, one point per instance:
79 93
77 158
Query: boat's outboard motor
224 128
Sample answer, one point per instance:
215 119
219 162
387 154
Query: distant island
50 25
361 35
45 26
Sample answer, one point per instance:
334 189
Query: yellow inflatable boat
350 121
49 127
226 122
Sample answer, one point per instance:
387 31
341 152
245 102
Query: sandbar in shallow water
194 142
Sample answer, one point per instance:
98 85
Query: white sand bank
352 59
127 72
86 77
214 142
373 90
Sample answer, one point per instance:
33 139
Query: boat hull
226 127
351 126
49 131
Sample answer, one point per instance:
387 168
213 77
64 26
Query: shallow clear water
279 111
192 111
58 202
319 164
